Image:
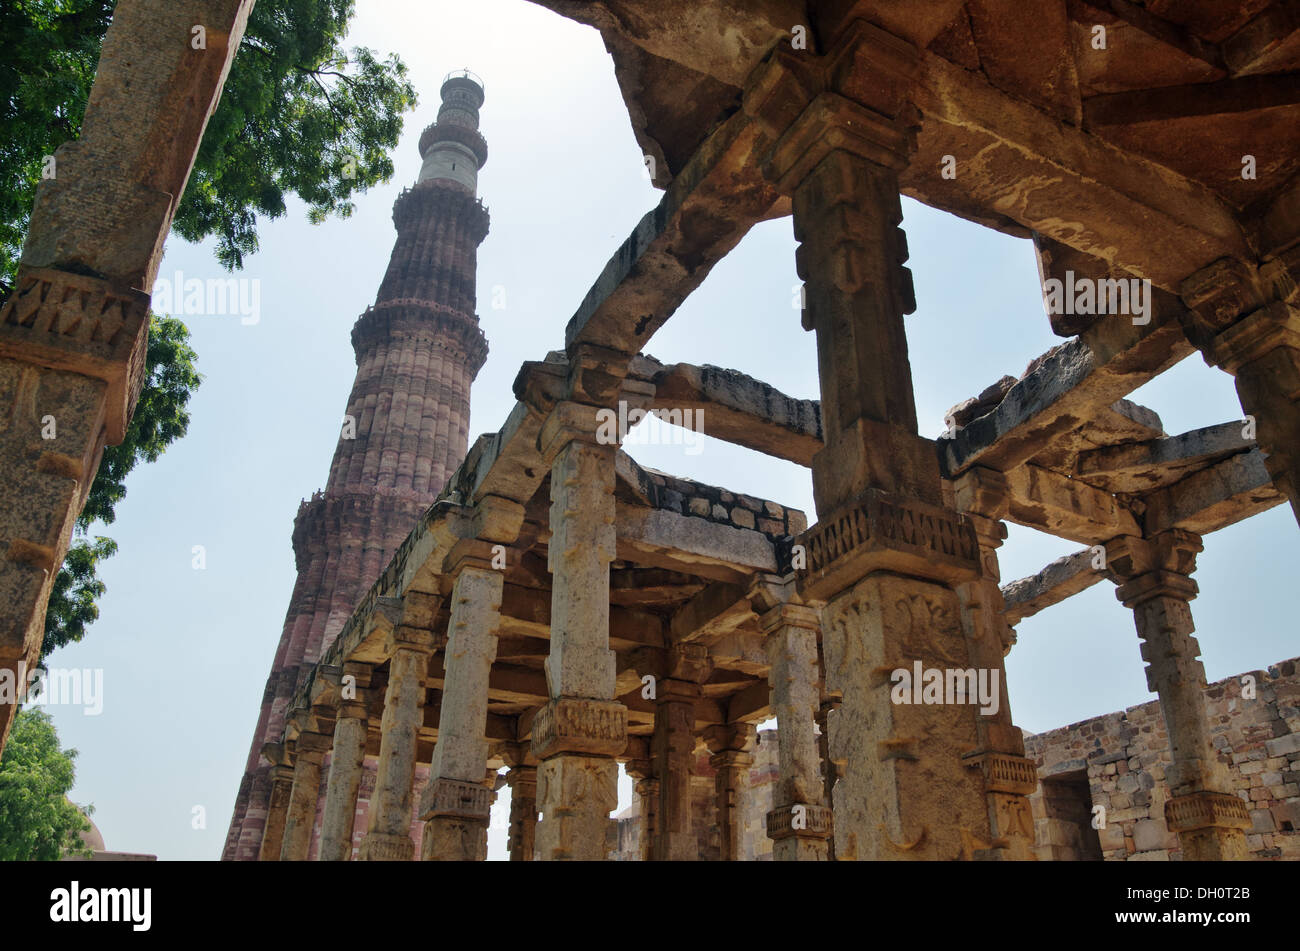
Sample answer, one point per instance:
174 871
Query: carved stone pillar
646 787
522 842
1247 322
887 552
346 765
799 823
309 754
1009 776
577 734
673 751
456 807
388 835
730 745
1156 583
276 812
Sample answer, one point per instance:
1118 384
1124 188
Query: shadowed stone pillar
1009 776
577 734
346 764
730 745
799 823
888 551
276 813
388 836
522 779
456 806
1156 583
646 787
1247 322
309 754
74 331
673 751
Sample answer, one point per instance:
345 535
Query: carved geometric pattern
1205 809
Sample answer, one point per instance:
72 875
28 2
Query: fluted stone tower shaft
418 350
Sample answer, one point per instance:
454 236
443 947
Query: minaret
406 430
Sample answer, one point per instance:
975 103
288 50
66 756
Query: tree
37 821
160 418
298 114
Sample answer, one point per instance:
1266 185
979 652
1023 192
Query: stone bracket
575 725
885 532
816 822
455 797
1204 810
1004 773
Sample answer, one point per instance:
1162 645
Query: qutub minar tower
418 350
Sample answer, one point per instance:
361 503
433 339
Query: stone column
1156 583
276 812
730 746
522 842
1247 321
456 806
1009 776
673 754
308 755
888 549
346 765
646 787
580 730
799 824
388 835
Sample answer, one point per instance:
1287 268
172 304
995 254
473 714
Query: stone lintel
80 324
458 798
1205 809
577 725
885 532
801 820
1004 773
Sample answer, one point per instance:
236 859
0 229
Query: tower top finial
452 148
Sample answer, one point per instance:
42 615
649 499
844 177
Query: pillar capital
1157 567
983 492
724 739
802 820
312 747
688 662
789 615
456 798
577 725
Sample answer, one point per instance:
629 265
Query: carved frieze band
454 797
806 820
1004 773
1204 810
897 533
570 725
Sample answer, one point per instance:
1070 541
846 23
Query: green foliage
160 418
295 108
37 822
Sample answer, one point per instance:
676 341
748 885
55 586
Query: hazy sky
186 652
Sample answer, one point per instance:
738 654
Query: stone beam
1137 468
718 609
711 550
1271 41
1214 498
1061 579
742 410
707 209
1108 361
1058 505
1055 179
1245 94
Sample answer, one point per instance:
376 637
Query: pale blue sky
185 653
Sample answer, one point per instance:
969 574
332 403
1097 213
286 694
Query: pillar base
383 847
